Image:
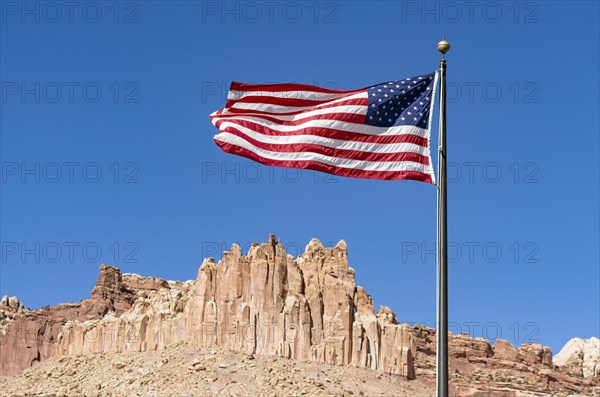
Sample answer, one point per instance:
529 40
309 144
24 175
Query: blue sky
108 156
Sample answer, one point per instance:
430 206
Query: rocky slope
262 304
179 370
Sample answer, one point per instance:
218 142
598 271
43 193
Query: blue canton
403 102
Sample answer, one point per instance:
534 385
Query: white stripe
236 95
393 166
269 108
272 108
331 143
335 125
354 109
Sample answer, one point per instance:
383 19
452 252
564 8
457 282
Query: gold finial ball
443 46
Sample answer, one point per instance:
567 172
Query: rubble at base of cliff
180 370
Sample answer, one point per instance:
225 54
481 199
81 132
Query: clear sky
108 153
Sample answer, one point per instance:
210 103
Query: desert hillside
179 370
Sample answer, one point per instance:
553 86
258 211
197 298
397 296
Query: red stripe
331 133
348 102
328 151
286 87
347 117
299 102
330 169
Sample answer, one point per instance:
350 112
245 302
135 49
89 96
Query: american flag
378 132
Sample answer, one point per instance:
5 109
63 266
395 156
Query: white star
385 86
402 118
379 90
396 114
397 86
409 113
390 120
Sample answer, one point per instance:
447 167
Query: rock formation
580 357
264 303
11 304
29 337
268 303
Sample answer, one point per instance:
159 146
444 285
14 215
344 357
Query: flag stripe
300 103
285 109
354 128
330 151
358 117
235 86
356 107
311 95
360 98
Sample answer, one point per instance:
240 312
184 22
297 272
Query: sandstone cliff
268 303
265 303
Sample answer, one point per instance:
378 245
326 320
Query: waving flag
378 132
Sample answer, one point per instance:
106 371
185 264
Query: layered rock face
480 369
29 337
264 303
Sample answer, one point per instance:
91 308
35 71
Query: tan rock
263 303
504 350
534 353
581 357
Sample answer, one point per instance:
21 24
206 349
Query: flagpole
442 243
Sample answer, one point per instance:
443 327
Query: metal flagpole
442 243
